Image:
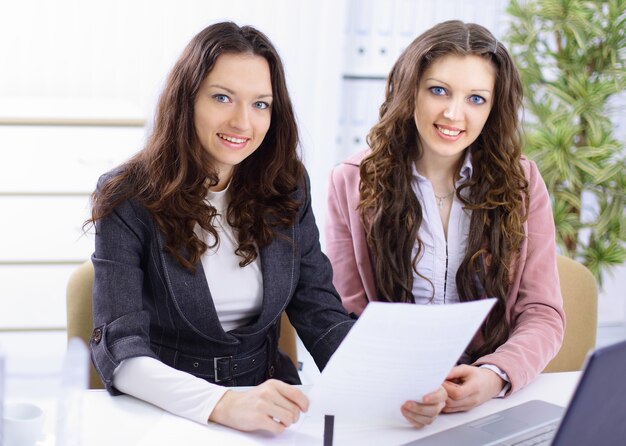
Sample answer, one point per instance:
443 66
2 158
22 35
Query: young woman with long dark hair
443 208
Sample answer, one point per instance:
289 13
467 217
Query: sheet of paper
394 353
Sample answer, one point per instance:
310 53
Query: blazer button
96 336
271 371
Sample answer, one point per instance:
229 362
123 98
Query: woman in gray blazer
205 237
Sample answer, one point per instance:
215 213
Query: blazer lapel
192 298
278 269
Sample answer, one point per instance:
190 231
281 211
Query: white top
236 305
440 259
179 392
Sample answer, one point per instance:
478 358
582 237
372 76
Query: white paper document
395 352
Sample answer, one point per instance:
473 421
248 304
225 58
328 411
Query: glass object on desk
1 396
74 380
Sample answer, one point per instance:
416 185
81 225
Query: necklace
440 200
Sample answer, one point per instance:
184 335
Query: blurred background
78 84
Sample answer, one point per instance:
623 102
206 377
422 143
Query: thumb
456 373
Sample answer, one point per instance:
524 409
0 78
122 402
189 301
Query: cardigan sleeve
121 324
315 309
535 303
342 226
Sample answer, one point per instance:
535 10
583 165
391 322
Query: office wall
77 89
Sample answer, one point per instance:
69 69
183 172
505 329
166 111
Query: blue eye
261 105
439 91
477 100
221 98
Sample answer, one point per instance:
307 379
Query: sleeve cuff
502 374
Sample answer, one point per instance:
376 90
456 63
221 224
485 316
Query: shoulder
121 196
355 159
348 170
109 176
532 174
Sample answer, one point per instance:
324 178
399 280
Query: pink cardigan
534 305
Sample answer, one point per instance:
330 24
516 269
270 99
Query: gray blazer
146 304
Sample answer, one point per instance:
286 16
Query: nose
453 110
239 119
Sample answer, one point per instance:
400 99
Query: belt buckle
221 365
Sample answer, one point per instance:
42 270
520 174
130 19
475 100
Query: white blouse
440 259
236 305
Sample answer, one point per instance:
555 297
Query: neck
438 170
441 171
224 181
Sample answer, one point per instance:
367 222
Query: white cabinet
33 296
62 159
45 185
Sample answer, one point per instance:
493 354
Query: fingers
460 373
291 393
470 387
457 372
420 415
455 391
461 397
271 406
435 397
282 402
424 413
461 405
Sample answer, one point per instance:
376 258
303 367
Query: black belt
222 368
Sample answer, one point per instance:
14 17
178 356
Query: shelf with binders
361 100
377 32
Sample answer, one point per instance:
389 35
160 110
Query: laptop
596 414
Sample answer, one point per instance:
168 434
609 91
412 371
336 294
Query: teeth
448 132
231 139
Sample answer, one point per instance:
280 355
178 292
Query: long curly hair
172 174
496 193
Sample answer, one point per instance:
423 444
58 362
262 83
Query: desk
128 421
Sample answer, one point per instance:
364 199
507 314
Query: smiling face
233 110
453 101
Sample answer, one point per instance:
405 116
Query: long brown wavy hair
172 174
497 192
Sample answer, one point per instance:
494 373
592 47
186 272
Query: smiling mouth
232 139
448 132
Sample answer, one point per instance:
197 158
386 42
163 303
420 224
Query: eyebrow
261 96
447 84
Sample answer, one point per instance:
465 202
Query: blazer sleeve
537 320
342 228
121 324
315 309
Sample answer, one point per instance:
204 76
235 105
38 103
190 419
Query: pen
329 425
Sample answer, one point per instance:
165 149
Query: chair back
287 339
80 318
79 312
580 303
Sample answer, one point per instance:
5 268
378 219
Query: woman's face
453 101
232 110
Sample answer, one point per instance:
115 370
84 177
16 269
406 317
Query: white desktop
125 420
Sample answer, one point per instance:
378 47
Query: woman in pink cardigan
443 208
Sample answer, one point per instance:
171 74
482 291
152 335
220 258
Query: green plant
572 59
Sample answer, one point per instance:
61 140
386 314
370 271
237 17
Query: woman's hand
271 406
469 386
424 413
